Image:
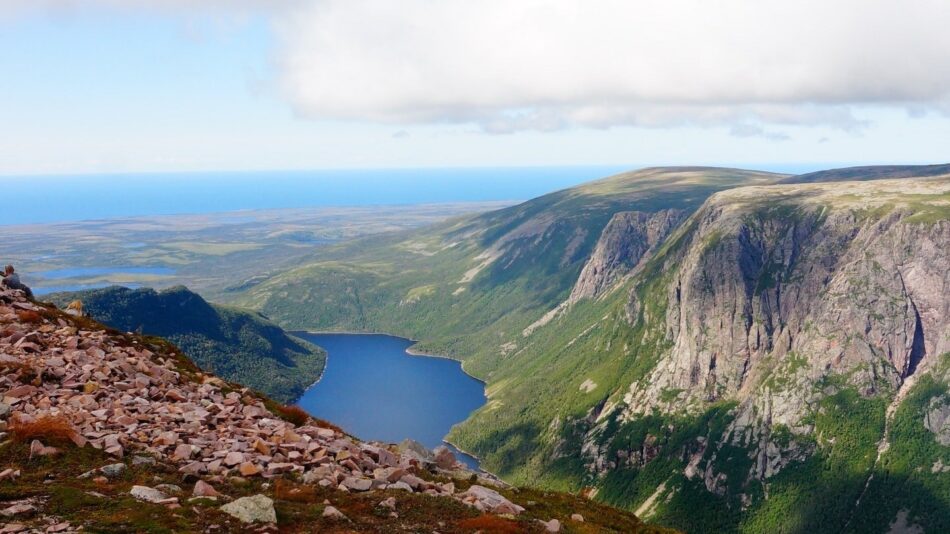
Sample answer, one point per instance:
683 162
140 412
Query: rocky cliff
784 304
627 240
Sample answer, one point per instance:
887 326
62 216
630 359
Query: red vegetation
293 414
288 491
323 423
29 316
490 524
48 428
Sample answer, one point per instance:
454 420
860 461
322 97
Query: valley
713 348
207 253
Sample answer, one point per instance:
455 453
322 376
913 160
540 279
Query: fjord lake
374 389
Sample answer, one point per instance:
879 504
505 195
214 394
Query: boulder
112 470
388 503
255 509
18 509
248 469
332 513
203 489
444 458
357 484
489 500
147 494
415 449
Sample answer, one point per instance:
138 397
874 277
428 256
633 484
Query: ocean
45 199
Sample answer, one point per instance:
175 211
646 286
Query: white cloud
550 64
544 65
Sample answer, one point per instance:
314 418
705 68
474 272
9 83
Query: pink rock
249 469
233 458
183 452
203 489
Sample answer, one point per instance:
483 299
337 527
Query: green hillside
236 344
740 377
467 287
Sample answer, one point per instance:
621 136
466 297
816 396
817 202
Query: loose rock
256 509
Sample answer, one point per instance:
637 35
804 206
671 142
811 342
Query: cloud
401 134
744 129
547 65
552 64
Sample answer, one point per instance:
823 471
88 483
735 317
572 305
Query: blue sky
89 87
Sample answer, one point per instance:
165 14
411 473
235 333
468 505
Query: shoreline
409 350
415 353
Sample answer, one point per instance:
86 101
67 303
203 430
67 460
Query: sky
119 86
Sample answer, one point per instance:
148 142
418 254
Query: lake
375 390
82 272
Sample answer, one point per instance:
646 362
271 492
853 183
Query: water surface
375 390
79 272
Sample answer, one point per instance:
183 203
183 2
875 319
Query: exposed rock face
809 287
627 240
937 419
776 301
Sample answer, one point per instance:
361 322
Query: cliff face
818 317
845 287
624 243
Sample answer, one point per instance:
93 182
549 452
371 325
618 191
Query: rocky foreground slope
104 431
234 344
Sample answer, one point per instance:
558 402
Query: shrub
29 316
322 423
490 524
47 428
293 414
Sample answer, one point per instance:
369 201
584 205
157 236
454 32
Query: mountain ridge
558 374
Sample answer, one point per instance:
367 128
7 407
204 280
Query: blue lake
375 390
77 272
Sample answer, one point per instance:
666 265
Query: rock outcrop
628 239
806 285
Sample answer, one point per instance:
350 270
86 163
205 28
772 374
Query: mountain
873 172
716 350
103 431
467 286
235 344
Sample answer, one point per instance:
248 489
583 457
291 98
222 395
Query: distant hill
236 344
875 172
